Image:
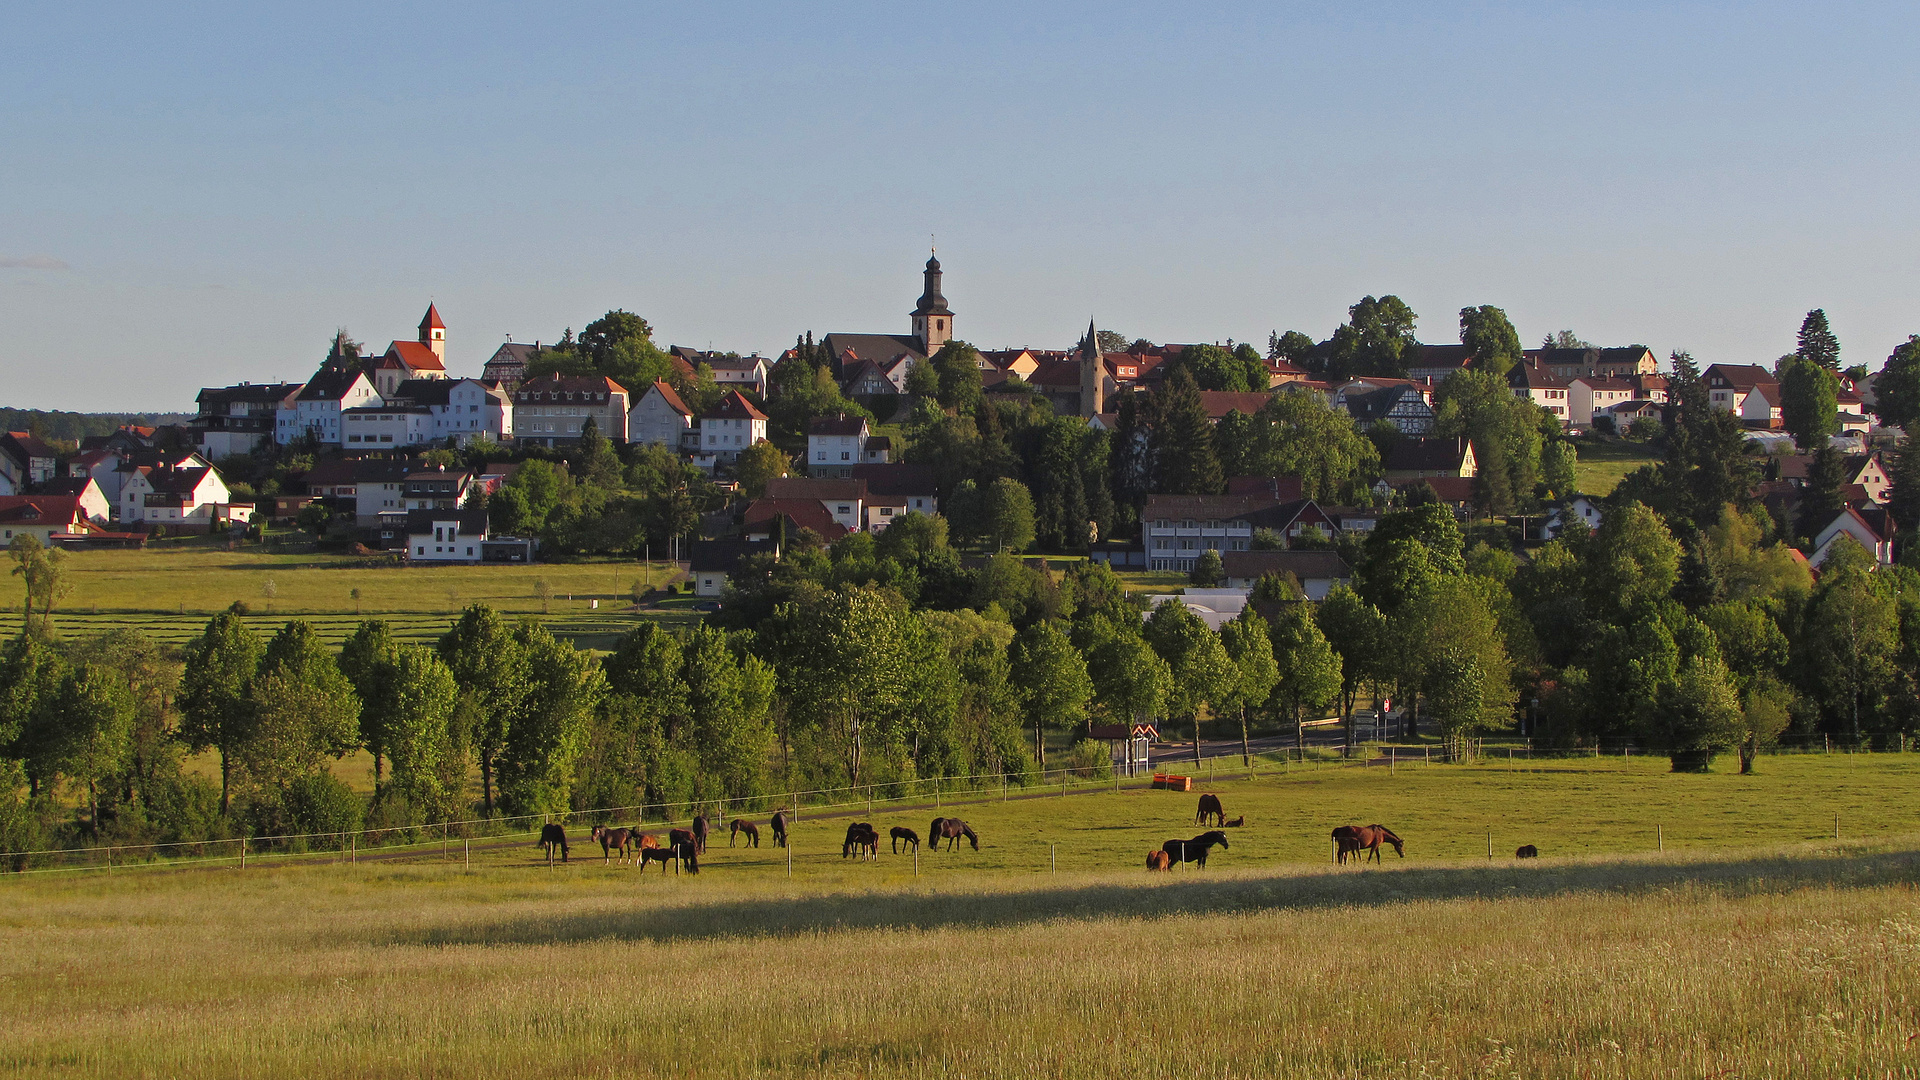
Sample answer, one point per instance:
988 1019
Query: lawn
1603 463
1751 947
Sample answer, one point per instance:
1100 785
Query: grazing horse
660 855
551 837
742 825
1237 822
1370 837
645 841
700 832
677 837
1346 840
1157 860
1210 811
951 829
863 839
903 835
1527 851
779 824
1195 850
612 840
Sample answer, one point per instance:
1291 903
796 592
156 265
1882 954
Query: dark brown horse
1210 811
677 837
1236 823
680 855
951 829
1157 860
903 835
1195 850
779 824
742 825
551 837
1346 840
1526 851
611 840
1368 838
700 833
861 839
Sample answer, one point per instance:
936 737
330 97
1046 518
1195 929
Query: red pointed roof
416 355
735 406
431 320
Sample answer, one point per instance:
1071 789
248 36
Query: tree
727 702
1052 681
94 721
1180 440
1130 681
547 731
367 660
304 710
1309 670
1564 339
216 685
1009 515
1377 339
757 465
1255 673
1449 646
1808 406
1557 469
1296 433
1817 343
1202 673
42 572
418 726
1701 716
1843 653
1896 392
1492 343
1632 561
958 364
1504 429
1357 633
490 666
1207 571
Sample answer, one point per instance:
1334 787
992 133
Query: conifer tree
1817 343
1181 440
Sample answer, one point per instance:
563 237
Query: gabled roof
878 442
550 385
803 513
669 395
177 481
723 556
416 355
1739 377
819 489
896 479
1536 377
1628 355
1609 383
882 349
1377 404
841 425
1279 488
470 522
1305 565
328 385
1221 402
857 371
1419 454
28 443
438 391
1207 507
67 485
39 510
734 406
248 392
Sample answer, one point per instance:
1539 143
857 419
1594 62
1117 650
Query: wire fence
439 838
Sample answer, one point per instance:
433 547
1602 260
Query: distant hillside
74 426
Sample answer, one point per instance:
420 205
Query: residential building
1619 363
1175 529
1317 571
127 437
436 489
1539 384
893 489
835 444
316 410
1871 527
1865 469
446 536
386 426
189 500
27 459
1416 459
40 516
712 563
424 358
1749 391
508 364
552 410
1407 407
93 501
1591 394
731 427
845 501
238 419
779 518
1585 509
103 468
1433 363
731 371
458 409
660 416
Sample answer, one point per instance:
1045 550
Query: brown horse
680 855
779 824
646 840
742 825
1346 840
1368 838
1195 850
951 829
861 839
1210 811
700 833
1158 860
612 840
677 837
1526 851
903 835
1238 822
551 837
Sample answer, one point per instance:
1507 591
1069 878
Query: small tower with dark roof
1093 374
433 332
932 319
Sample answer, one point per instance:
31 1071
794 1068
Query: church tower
1093 375
932 319
433 332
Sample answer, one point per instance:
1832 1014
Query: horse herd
683 847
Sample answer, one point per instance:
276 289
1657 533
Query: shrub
186 808
1091 760
316 803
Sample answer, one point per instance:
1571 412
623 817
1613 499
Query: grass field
1602 464
1752 947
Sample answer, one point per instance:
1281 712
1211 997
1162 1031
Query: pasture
1604 462
1754 946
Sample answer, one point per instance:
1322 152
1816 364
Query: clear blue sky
200 195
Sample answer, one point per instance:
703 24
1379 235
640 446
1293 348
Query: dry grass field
1738 952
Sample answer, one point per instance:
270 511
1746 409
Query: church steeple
1093 374
433 332
932 319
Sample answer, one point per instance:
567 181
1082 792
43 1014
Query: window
1186 544
844 509
420 550
844 455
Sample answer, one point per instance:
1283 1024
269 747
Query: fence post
1489 844
1053 858
1836 828
243 853
916 857
916 862
353 853
467 843
1660 837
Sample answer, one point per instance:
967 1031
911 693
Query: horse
677 837
660 855
1238 822
1527 851
611 840
700 832
742 825
779 824
861 838
1194 850
1346 841
1210 811
553 836
1157 860
1370 837
951 829
646 840
903 835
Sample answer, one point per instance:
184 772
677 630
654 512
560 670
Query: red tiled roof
805 513
735 406
671 397
63 510
431 320
1221 402
416 355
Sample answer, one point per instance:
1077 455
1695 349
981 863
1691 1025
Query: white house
845 501
1871 529
103 467
451 536
835 444
1587 510
711 563
459 409
385 425
1317 571
94 502
731 427
740 372
660 417
553 410
1538 384
1749 391
238 419
40 516
1591 394
31 461
191 499
317 408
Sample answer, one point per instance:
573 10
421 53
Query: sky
193 195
